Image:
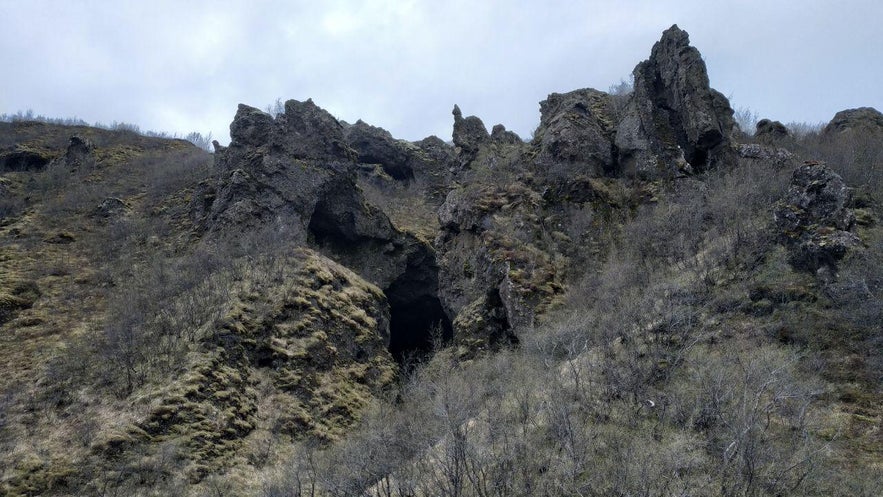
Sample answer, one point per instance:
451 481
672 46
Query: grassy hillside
679 349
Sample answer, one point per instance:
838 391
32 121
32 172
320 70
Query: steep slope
630 303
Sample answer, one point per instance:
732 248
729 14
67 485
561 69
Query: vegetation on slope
696 360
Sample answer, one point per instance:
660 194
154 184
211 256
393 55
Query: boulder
813 219
77 155
766 154
110 208
862 119
675 123
577 128
768 131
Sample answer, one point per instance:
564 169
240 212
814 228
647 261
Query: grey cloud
183 66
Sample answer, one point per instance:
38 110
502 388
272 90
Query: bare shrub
746 119
10 206
620 94
166 174
857 156
754 411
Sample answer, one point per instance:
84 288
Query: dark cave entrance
23 161
418 321
416 327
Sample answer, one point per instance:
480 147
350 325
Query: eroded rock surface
469 134
300 180
866 119
768 131
675 123
377 146
813 219
578 128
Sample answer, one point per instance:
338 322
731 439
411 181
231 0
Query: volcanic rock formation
675 123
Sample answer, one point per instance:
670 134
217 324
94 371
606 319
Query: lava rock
250 127
766 154
675 123
865 119
110 208
768 131
306 131
375 145
578 128
469 134
813 219
499 134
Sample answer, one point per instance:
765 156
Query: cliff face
220 309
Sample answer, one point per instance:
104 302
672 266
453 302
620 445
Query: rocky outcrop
577 128
768 131
300 181
493 266
77 156
78 152
813 219
276 171
309 132
250 127
111 208
375 145
675 123
499 134
469 135
436 149
766 154
862 119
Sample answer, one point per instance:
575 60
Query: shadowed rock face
499 134
377 146
675 123
305 131
250 127
22 160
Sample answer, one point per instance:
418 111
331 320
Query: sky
182 66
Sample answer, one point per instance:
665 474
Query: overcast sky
182 66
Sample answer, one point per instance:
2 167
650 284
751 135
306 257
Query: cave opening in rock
328 227
23 161
698 159
416 327
418 322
